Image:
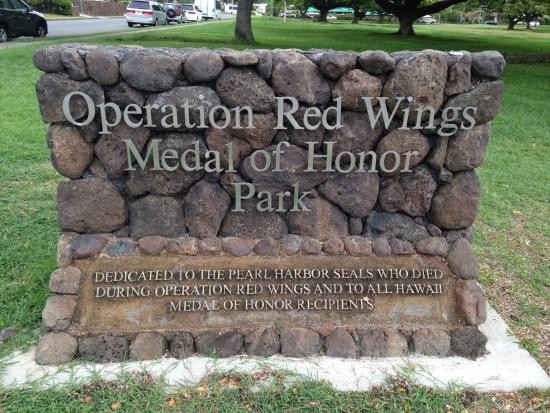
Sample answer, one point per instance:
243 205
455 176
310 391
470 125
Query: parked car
288 14
427 20
174 13
19 19
331 17
492 22
210 9
192 13
231 8
145 13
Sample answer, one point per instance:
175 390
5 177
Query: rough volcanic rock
210 246
206 204
382 343
90 205
195 96
300 342
471 301
74 63
356 134
225 344
432 342
51 89
357 246
468 342
87 245
238 247
311 246
462 260
265 63
55 348
218 139
300 137
485 97
156 215
458 78
123 95
355 85
410 192
333 246
263 132
381 247
58 312
48 59
293 163
421 76
262 342
152 245
183 246
65 280
394 225
202 66
296 76
157 72
355 226
168 182
148 346
401 247
268 247
322 221
102 66
253 224
103 348
376 62
455 205
120 247
340 344
238 87
112 152
335 64
291 244
70 153
466 149
239 58
182 345
432 246
488 64
402 141
436 157
354 192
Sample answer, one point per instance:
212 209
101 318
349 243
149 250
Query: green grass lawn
511 234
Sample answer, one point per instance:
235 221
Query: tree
360 8
522 10
407 11
243 23
324 6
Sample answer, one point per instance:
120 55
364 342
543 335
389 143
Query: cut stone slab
55 348
148 346
506 367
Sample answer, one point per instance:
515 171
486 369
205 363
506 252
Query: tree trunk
243 23
355 19
406 20
527 24
323 12
511 23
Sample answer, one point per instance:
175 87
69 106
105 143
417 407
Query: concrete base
507 367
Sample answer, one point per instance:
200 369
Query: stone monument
268 201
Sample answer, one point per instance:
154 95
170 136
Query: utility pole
284 16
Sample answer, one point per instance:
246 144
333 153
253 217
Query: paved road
94 28
72 27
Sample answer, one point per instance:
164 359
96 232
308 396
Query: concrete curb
507 367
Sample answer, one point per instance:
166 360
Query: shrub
53 6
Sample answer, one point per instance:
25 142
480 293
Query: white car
145 13
192 13
427 20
